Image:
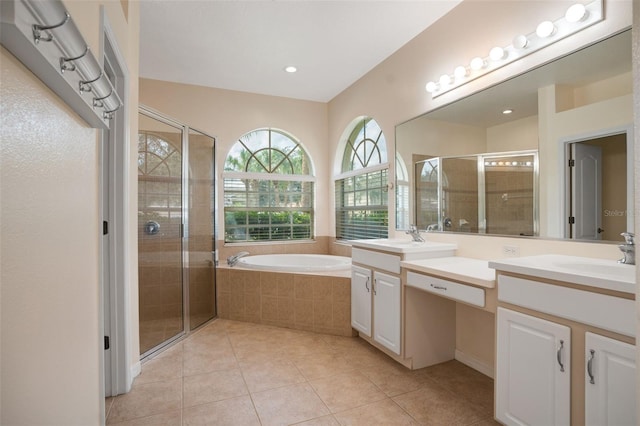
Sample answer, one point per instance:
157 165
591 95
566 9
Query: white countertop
600 273
471 271
400 245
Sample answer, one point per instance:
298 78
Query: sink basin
600 273
616 270
407 246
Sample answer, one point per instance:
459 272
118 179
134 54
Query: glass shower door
160 221
201 224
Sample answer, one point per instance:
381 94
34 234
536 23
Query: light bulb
514 163
497 53
431 87
545 29
576 13
477 63
291 69
460 72
445 79
520 42
507 111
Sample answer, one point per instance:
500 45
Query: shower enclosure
176 230
492 193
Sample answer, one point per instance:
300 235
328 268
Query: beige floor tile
108 403
394 379
172 418
211 387
434 405
383 413
322 364
288 405
465 382
320 421
147 399
199 362
487 422
346 391
165 367
230 412
261 376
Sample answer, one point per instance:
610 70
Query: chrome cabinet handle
590 367
437 287
375 281
366 284
559 355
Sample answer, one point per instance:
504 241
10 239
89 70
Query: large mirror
571 120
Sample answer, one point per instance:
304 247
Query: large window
361 189
268 189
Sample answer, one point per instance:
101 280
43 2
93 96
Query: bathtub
295 262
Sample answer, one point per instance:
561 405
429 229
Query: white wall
50 233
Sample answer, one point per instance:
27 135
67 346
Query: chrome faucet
628 249
415 234
232 260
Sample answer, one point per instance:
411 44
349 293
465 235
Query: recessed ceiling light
507 111
291 69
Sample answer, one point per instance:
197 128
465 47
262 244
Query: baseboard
136 369
474 363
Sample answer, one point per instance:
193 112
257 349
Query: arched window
361 189
160 177
268 189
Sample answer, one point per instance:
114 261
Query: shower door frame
184 146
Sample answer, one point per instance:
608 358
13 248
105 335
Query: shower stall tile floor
237 373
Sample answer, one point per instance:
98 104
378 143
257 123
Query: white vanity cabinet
376 298
595 300
361 281
387 319
610 388
533 375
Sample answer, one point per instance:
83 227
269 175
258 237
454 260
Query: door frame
115 282
565 173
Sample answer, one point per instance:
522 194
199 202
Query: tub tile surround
299 377
300 301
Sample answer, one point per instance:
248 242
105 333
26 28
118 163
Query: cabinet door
386 311
610 387
532 370
361 299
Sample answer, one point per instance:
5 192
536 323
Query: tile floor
236 373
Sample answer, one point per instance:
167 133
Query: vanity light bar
578 17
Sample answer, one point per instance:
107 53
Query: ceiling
245 45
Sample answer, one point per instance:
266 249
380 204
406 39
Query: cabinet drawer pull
438 287
559 355
375 281
590 367
366 284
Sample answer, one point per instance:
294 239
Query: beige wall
228 115
393 92
51 330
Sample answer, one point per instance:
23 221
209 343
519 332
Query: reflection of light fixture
520 42
576 13
577 18
431 87
477 63
445 79
291 69
460 72
545 29
497 53
507 111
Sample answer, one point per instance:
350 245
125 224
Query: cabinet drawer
383 261
599 310
456 291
